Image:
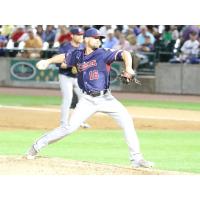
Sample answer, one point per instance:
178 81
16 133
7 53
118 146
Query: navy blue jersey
93 69
70 71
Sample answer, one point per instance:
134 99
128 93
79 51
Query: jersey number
94 75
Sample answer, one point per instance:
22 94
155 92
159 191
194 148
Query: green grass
16 100
170 150
162 104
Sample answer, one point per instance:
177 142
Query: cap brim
102 37
77 33
82 33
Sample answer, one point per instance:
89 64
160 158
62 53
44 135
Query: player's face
94 43
78 38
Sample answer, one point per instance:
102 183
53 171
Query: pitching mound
17 165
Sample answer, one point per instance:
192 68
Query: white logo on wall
23 70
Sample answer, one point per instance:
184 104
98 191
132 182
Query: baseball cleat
29 157
142 163
84 125
31 154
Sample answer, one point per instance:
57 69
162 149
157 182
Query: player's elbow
126 54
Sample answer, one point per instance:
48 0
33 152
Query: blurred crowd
181 42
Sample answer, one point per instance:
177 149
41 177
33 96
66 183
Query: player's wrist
130 71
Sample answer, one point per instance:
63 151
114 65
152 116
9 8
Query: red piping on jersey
108 67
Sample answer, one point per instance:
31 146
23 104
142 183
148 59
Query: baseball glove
127 78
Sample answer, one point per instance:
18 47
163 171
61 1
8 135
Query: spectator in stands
147 46
7 30
132 30
103 30
136 30
3 42
190 49
18 35
111 40
129 31
187 30
138 57
40 32
167 35
123 44
117 33
175 32
3 39
154 30
141 36
49 35
63 35
151 29
133 42
34 43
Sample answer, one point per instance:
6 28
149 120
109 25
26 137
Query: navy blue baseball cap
93 32
76 31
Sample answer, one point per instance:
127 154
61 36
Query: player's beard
94 47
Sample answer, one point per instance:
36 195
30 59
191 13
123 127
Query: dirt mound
18 165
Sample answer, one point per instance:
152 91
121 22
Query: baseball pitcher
93 66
